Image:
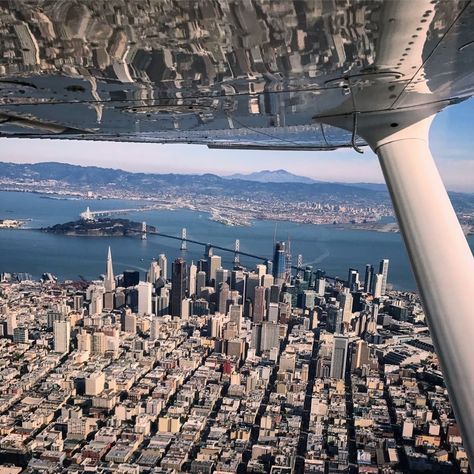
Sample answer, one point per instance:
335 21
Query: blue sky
452 144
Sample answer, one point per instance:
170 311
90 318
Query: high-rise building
97 301
270 336
129 322
192 279
339 357
222 276
273 311
62 336
320 286
130 278
252 282
284 312
109 282
99 343
20 335
235 315
144 289
179 278
154 272
200 282
94 383
309 297
377 285
223 297
259 304
334 319
78 302
360 355
261 270
109 301
308 274
11 324
84 341
383 270
215 262
162 304
237 282
279 270
353 279
369 273
275 294
154 328
163 263
267 281
199 307
345 303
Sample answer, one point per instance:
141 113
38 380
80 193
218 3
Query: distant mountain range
263 185
283 176
94 178
269 176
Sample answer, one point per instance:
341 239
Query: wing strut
440 257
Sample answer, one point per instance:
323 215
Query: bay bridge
91 215
236 250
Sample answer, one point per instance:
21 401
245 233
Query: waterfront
322 246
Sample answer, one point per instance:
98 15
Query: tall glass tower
179 280
279 262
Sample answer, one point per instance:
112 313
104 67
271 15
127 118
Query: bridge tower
143 230
299 264
237 252
87 215
184 245
288 262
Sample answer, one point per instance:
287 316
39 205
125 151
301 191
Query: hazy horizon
451 142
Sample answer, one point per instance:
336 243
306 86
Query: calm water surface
331 249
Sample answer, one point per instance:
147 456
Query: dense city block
193 367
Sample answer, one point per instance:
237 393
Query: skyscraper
339 357
144 298
369 273
109 283
270 336
252 283
383 270
360 354
154 272
259 304
62 336
130 278
353 279
163 263
11 324
320 286
345 303
223 297
215 262
222 276
235 314
238 282
377 285
192 279
200 282
179 279
279 262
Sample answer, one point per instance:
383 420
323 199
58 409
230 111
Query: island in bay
104 227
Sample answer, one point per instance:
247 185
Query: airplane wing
238 73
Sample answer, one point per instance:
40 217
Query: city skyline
204 371
127 351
